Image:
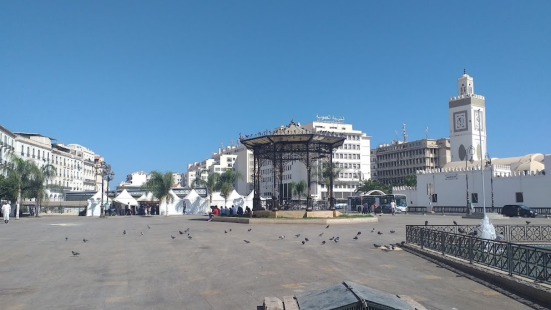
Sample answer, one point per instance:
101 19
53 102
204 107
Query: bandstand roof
294 138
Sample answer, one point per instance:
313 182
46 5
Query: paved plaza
214 269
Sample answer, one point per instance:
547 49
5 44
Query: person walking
6 210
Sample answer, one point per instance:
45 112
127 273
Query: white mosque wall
450 187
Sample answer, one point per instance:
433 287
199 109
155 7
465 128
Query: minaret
467 122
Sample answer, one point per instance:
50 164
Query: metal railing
516 259
512 233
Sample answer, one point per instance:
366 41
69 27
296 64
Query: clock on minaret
460 121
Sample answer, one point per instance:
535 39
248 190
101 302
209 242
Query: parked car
518 210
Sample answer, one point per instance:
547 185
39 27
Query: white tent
249 200
94 204
236 200
217 199
125 198
176 206
147 197
195 204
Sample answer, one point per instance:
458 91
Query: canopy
147 197
195 204
217 199
125 199
94 204
176 206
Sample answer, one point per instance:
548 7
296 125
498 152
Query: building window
519 197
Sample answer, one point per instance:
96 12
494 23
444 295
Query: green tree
410 180
159 184
226 183
291 189
38 183
369 185
323 171
20 172
300 188
210 184
8 187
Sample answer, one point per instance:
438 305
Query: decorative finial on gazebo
464 71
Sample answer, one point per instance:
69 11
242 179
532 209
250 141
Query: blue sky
155 85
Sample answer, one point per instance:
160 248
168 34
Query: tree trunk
18 203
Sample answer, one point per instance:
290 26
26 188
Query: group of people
233 210
366 208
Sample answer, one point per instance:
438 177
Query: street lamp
489 162
107 175
470 150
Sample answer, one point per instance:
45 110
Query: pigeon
141 232
181 232
327 227
403 242
379 233
355 238
66 238
249 229
171 236
189 237
392 231
225 231
303 242
455 223
359 233
124 232
306 239
500 237
75 253
426 223
323 242
321 234
297 235
528 222
386 250
473 233
373 229
282 237
336 239
84 240
148 227
376 245
331 239
230 229
247 241
461 230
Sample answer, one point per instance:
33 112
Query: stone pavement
216 270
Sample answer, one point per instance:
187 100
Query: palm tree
210 184
160 184
20 171
226 183
300 188
37 184
323 171
291 189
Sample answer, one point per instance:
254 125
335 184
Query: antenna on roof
464 71
404 132
426 133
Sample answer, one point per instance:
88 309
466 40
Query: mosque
472 176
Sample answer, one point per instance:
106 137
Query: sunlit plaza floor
215 269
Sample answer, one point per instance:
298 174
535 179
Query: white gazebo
175 207
195 204
147 197
94 204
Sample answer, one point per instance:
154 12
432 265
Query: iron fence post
422 238
442 242
544 271
471 254
510 258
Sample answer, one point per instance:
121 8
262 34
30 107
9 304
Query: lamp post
107 175
469 150
489 162
479 120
